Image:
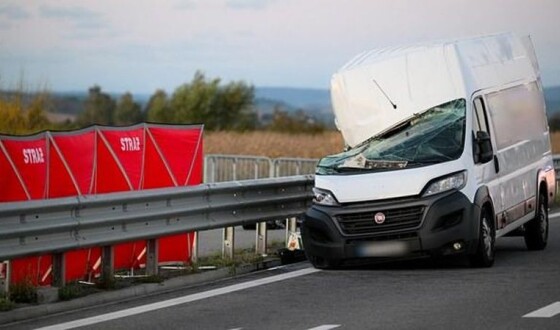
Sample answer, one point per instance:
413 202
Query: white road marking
547 311
326 327
554 215
179 300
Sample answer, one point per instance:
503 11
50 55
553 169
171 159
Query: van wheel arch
536 230
482 200
483 207
485 242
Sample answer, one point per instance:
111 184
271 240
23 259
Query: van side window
517 114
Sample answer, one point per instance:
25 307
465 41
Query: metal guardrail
59 225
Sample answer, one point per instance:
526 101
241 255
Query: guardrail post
107 264
228 242
261 239
5 281
58 270
193 247
151 257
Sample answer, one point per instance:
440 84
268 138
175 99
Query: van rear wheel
536 230
484 255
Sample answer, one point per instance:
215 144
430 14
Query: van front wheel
536 230
484 255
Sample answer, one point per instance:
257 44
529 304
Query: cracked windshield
434 136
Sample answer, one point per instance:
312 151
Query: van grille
395 219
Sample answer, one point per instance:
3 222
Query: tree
157 109
234 108
23 113
127 111
36 119
98 108
217 107
12 120
194 102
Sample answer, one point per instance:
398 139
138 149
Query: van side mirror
483 147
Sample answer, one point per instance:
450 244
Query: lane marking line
179 300
554 215
326 327
547 311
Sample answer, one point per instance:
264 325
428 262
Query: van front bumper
443 224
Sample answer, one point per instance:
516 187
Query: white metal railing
220 168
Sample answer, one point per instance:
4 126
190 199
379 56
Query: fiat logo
379 218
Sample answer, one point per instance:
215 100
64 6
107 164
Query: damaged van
448 148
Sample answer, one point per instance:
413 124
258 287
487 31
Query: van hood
379 89
384 185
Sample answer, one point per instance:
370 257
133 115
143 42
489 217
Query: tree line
218 106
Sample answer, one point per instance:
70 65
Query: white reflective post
261 239
228 242
290 228
193 247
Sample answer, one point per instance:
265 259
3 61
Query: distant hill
72 103
315 103
296 97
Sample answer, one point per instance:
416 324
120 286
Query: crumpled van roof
379 88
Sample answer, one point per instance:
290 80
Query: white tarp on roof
380 88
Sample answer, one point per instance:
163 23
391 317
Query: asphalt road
403 295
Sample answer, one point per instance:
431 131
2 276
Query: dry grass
272 144
555 142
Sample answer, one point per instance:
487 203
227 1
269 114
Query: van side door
486 167
517 116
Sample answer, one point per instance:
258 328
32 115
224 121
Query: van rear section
448 149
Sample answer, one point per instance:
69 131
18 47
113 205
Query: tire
486 248
536 230
323 263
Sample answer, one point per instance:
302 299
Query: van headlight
446 183
324 197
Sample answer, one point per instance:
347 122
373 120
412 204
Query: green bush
24 292
5 304
74 290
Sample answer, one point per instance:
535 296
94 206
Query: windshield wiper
429 161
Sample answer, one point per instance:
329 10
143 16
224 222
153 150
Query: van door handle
496 164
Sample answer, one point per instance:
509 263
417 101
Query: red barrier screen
100 160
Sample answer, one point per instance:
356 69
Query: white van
448 148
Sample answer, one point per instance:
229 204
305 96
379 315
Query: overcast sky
141 45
